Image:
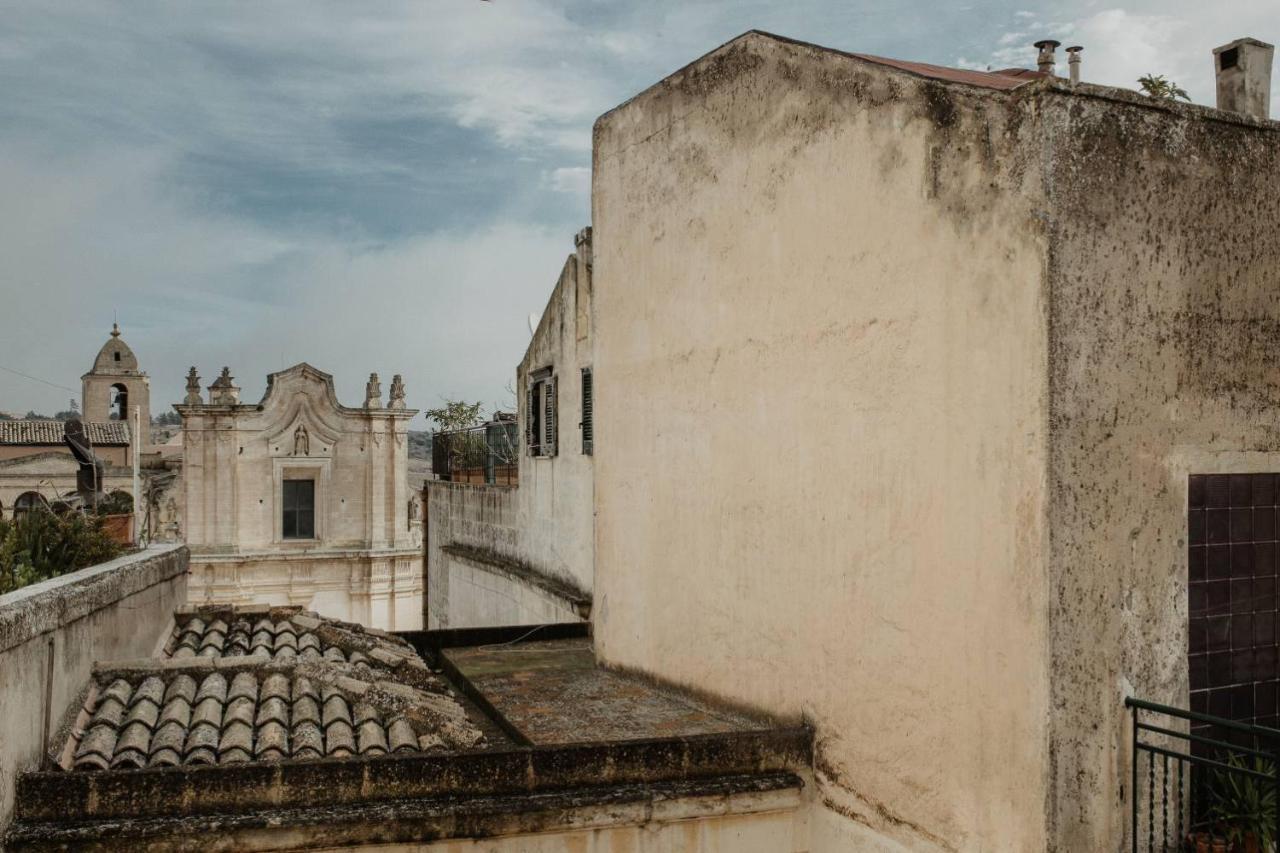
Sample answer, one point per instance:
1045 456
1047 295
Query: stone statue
415 511
193 397
397 392
373 393
301 441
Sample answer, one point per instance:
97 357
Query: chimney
1073 62
1045 61
1243 69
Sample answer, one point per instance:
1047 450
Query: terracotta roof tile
272 707
49 433
1006 79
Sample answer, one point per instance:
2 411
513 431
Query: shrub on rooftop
39 545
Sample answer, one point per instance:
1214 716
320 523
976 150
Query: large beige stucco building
300 500
902 375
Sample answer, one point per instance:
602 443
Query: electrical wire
37 379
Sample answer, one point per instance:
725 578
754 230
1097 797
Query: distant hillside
419 444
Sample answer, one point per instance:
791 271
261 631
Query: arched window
119 402
29 502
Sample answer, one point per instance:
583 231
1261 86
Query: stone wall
51 634
479 569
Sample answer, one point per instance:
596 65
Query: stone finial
223 391
115 330
193 397
397 392
373 393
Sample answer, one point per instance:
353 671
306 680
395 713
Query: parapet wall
51 634
482 569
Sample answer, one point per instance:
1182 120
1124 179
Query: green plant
455 415
1242 805
1157 86
116 503
39 545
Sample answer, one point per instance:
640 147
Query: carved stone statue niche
301 441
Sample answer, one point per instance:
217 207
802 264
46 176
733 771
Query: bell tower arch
115 385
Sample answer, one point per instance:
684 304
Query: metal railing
489 453
1192 778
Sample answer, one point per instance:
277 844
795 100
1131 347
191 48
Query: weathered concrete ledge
49 605
208 790
429 819
52 633
491 561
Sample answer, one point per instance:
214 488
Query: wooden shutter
531 418
549 415
588 430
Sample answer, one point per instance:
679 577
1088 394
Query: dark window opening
1229 58
588 406
540 414
299 509
116 356
119 403
1232 605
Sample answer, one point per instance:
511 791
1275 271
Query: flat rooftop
251 721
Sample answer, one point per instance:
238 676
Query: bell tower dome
115 385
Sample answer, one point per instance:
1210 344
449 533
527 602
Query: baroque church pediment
302 430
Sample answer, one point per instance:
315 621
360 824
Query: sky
390 185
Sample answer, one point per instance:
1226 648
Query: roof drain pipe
1046 60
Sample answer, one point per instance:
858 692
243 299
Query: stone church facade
300 500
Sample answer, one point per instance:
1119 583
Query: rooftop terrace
254 722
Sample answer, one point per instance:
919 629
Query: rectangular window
588 404
299 509
540 414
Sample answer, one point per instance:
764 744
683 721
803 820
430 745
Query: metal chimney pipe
1046 60
1073 62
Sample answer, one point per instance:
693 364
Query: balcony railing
1201 783
488 453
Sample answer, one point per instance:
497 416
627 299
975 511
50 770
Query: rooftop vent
1046 60
1243 69
1073 62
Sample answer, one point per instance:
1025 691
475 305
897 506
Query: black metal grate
1232 608
588 406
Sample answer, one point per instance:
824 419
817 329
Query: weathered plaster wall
555 495
821 432
478 571
52 633
1165 276
544 527
111 455
52 475
770 824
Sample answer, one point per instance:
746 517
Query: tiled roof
260 684
50 432
1008 78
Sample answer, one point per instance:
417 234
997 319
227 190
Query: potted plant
1243 807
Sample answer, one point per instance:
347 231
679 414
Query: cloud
571 179
1121 43
387 187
